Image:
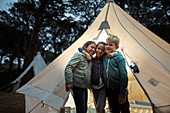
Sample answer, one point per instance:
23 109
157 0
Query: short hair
113 39
88 43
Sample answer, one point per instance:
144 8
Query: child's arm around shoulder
110 55
88 57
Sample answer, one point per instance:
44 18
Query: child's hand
69 86
110 55
88 57
122 100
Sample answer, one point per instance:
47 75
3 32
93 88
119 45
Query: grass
12 102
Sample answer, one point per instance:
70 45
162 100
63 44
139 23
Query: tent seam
144 33
138 42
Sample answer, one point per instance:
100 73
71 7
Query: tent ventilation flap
104 25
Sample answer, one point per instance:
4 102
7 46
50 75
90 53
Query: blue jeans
80 99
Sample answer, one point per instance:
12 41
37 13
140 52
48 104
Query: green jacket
78 71
115 73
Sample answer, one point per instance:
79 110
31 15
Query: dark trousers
113 99
80 99
99 99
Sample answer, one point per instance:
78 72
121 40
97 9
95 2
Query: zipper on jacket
107 75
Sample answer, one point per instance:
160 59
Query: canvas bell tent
38 64
138 45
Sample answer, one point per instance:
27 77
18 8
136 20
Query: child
78 76
98 87
115 77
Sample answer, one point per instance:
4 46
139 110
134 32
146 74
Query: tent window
153 82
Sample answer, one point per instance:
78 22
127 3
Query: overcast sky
5 4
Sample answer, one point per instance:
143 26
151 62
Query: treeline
51 26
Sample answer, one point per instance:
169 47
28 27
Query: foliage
148 12
162 30
11 43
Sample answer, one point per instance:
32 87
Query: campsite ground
15 103
11 102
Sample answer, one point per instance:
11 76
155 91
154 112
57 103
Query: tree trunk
19 64
11 62
1 60
38 22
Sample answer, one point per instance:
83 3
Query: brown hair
88 43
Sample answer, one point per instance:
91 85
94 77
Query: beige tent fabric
39 107
140 44
149 50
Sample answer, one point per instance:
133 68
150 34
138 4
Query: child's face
100 49
110 47
91 49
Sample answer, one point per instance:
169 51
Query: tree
55 25
12 44
150 14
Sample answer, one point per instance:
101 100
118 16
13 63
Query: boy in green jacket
115 77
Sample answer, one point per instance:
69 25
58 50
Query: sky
5 4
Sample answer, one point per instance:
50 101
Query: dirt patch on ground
12 103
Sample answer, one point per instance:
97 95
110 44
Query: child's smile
100 51
110 47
